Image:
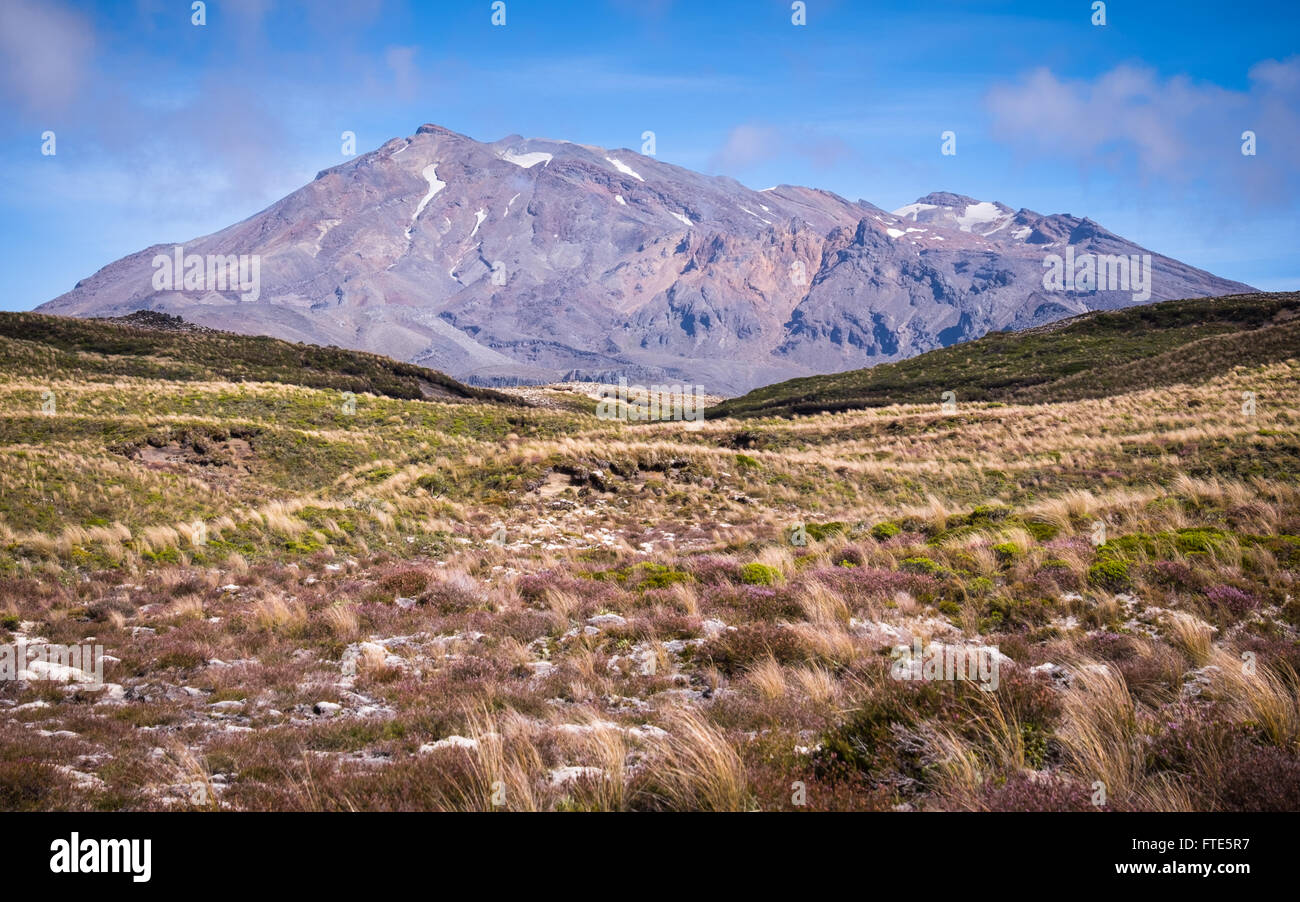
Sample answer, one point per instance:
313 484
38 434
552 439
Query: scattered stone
562 775
714 628
1199 680
450 742
1059 676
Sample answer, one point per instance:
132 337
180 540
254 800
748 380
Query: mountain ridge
529 259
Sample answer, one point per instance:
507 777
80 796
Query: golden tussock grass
343 621
1099 734
277 614
1191 635
1258 696
767 678
696 768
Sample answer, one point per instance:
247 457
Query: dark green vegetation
40 345
1090 356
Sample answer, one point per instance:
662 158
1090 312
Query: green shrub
1110 574
1135 544
759 575
886 530
1200 539
659 576
821 531
921 565
646 575
1042 532
988 513
1035 742
1285 548
1006 551
867 740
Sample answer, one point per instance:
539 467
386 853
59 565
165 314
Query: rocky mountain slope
532 260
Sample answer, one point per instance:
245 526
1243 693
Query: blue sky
166 130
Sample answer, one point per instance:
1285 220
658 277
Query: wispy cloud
406 73
751 144
44 53
1140 125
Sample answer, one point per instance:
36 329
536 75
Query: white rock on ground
562 775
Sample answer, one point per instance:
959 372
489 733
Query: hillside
153 345
1088 356
456 604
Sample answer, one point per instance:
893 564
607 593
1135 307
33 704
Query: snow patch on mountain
912 210
527 160
978 214
430 174
624 168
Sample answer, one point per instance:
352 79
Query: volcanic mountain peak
531 259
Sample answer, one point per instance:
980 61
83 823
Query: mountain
1094 355
534 260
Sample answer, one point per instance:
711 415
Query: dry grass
1100 731
1191 635
696 768
277 614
